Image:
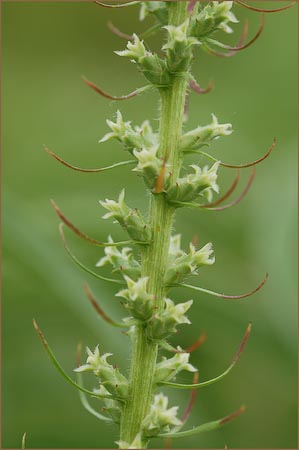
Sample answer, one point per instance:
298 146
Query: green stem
154 256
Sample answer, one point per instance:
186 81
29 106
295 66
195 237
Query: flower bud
179 46
149 165
213 17
201 183
130 219
160 418
115 383
187 264
152 67
201 136
167 369
164 322
139 302
131 138
123 261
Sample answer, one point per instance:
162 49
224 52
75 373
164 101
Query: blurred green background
47 47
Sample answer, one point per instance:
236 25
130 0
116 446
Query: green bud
201 183
123 261
149 165
160 418
179 47
201 136
130 219
213 17
115 383
164 322
187 264
131 138
139 302
152 67
167 369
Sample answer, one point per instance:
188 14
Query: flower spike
76 261
217 294
219 377
210 426
241 196
112 97
227 194
117 32
99 310
252 8
253 163
199 90
79 169
61 370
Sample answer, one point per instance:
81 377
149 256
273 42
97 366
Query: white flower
116 209
135 50
160 418
167 369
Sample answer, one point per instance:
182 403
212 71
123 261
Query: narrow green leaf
213 380
119 5
197 385
232 297
210 426
80 169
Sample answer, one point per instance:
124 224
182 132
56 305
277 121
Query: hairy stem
154 257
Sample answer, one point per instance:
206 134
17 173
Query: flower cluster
212 17
185 264
201 183
168 368
122 261
164 323
136 138
151 65
201 136
139 302
110 377
160 418
130 219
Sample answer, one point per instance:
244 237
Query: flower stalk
151 263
